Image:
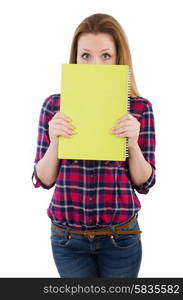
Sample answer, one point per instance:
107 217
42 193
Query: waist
123 228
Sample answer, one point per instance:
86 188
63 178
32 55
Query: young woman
94 208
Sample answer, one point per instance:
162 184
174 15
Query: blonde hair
103 23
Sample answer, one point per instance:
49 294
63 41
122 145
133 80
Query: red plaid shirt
90 194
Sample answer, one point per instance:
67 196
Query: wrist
133 150
54 143
133 145
53 148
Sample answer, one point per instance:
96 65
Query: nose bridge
96 59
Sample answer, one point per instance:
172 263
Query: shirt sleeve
43 140
147 143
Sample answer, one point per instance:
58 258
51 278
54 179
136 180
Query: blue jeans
102 256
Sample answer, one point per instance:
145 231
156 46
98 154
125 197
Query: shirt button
75 161
90 198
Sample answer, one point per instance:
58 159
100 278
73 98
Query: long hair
103 23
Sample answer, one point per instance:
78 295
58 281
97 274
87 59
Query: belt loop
114 233
66 233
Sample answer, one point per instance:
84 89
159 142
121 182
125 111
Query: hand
127 126
59 126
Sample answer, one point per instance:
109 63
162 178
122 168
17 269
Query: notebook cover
94 97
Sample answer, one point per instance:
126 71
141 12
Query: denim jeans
79 256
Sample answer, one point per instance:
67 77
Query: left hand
127 126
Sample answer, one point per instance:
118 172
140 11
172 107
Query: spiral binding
128 106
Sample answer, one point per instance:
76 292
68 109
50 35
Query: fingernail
68 118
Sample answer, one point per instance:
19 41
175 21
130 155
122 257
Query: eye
85 55
106 56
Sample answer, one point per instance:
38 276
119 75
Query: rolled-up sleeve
43 140
147 144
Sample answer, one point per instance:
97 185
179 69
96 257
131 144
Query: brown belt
93 233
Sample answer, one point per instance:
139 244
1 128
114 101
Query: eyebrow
100 51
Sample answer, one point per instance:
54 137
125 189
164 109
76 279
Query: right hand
59 126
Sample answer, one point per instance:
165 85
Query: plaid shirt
90 194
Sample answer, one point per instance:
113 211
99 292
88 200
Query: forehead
96 41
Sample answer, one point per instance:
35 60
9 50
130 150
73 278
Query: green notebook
94 97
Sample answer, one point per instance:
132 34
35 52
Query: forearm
140 169
47 167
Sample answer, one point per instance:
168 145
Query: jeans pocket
58 239
125 241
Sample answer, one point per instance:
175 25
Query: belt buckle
91 234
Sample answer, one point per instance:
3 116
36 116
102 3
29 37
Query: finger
120 128
125 117
128 130
60 127
65 129
62 122
67 118
60 114
128 123
124 123
128 133
130 116
62 133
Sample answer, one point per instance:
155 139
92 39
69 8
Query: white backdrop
35 40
